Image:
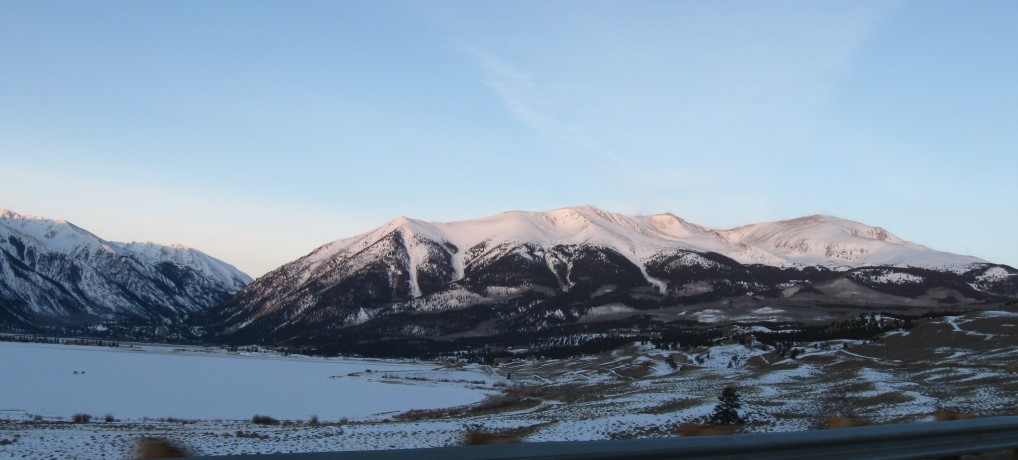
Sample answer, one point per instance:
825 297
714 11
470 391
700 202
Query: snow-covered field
963 363
208 384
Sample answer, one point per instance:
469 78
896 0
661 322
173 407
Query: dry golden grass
950 416
479 438
695 429
673 406
845 422
159 448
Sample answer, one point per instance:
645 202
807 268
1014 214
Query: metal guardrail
879 442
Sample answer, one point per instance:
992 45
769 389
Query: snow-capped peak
183 255
66 238
817 240
817 227
58 235
835 242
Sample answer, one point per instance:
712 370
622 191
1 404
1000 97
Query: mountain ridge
56 274
534 271
742 243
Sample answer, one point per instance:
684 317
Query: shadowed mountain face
54 275
585 269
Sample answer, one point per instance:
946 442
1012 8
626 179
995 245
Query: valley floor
965 364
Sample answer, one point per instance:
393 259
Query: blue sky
257 131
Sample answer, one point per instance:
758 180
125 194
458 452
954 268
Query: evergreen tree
726 412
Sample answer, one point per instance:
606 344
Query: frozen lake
163 381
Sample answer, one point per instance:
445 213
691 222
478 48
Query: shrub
159 448
81 418
314 420
264 420
695 429
950 415
108 418
845 422
480 438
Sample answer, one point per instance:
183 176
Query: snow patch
199 383
997 314
613 309
994 274
709 315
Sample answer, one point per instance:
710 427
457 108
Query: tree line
59 341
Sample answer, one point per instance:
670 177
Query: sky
257 131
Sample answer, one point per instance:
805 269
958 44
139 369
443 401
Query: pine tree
726 412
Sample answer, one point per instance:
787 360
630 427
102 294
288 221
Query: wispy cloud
531 105
681 100
527 101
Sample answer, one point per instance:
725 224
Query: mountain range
56 275
510 278
585 270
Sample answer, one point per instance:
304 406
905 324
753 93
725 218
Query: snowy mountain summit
537 270
841 244
808 241
56 274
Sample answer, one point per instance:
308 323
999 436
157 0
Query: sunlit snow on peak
817 240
